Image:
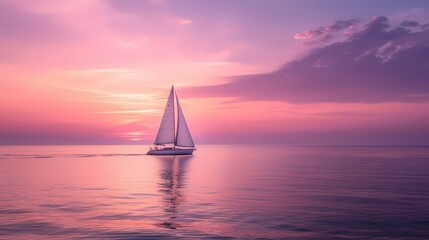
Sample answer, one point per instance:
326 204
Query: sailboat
172 138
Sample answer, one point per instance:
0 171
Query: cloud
326 33
377 63
309 34
407 23
340 25
183 21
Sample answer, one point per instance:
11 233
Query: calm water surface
117 192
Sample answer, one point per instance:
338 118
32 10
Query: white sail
183 136
166 130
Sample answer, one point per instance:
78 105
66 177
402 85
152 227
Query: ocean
221 192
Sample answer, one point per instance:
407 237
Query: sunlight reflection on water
117 192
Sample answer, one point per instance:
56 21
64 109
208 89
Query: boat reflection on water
172 176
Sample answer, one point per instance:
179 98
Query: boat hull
171 151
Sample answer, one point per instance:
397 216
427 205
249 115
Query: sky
306 72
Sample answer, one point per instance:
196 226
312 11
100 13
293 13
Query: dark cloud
377 63
339 25
407 23
379 29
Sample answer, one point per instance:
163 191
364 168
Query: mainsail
183 136
166 133
166 130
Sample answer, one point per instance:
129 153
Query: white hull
171 151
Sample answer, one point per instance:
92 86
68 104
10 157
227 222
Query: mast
178 121
174 117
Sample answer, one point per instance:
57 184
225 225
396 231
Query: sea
221 192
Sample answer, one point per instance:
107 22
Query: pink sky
99 72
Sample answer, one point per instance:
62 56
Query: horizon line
240 144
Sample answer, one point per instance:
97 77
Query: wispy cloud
184 21
143 111
105 70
